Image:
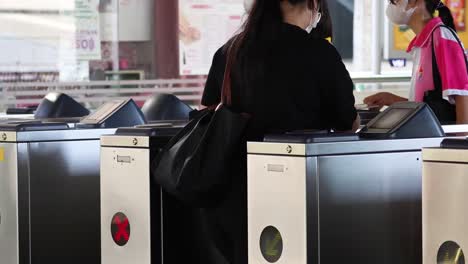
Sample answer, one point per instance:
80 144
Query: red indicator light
120 229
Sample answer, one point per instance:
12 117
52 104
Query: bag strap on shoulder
435 68
226 92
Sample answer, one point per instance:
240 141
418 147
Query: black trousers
215 234
225 223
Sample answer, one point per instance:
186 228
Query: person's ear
420 3
413 3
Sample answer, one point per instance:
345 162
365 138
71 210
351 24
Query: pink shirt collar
421 39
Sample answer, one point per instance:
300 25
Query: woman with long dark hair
287 81
440 70
324 27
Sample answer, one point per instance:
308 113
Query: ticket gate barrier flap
59 105
445 214
342 202
118 113
165 107
51 207
54 105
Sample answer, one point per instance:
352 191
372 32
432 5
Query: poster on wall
81 43
87 36
60 42
402 35
204 26
458 12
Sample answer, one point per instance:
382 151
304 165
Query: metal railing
189 90
100 91
394 78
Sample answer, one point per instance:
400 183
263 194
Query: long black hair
324 28
249 51
444 11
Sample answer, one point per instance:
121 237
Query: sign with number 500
86 44
87 36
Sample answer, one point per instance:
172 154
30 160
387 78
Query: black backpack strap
435 68
435 71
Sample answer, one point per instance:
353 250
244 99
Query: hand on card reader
399 121
404 120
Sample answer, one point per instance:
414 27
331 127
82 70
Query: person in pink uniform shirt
436 33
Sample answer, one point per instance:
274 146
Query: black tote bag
194 166
445 111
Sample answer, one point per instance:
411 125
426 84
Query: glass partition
75 40
71 44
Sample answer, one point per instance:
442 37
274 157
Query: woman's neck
294 15
294 21
417 24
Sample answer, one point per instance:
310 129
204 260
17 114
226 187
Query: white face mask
398 14
248 5
314 22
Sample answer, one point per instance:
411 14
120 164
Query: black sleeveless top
307 86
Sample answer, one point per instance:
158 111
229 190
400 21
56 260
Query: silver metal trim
276 148
452 129
59 135
342 148
125 141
